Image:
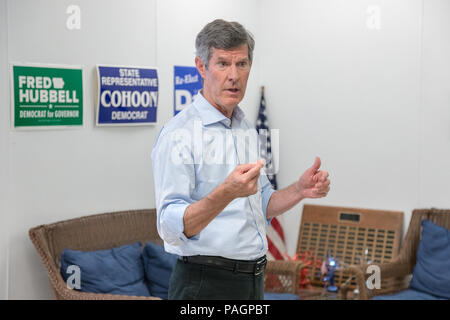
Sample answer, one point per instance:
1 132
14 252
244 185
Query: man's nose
233 73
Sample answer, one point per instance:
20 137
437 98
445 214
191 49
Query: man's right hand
243 181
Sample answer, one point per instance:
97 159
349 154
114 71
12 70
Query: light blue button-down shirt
194 153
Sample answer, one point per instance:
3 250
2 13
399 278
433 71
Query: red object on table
308 260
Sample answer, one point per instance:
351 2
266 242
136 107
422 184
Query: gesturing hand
243 180
314 183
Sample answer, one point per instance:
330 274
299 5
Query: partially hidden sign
127 95
187 83
46 96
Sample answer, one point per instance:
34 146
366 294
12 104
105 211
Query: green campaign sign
47 96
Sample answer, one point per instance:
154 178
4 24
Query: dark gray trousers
191 281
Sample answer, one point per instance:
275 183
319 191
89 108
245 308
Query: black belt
254 266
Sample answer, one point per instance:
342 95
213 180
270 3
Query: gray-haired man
214 214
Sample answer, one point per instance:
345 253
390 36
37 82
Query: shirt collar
210 114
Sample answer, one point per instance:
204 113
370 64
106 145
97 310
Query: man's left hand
314 183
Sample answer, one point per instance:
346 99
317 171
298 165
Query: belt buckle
259 267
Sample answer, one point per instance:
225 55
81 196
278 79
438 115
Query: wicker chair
283 276
108 230
396 275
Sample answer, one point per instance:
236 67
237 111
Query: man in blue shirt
213 199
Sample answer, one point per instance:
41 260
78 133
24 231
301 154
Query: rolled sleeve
171 223
266 193
174 183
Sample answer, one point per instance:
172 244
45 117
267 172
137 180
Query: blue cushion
115 271
158 265
431 273
408 294
280 296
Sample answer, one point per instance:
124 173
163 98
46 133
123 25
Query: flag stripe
278 228
274 250
275 233
277 242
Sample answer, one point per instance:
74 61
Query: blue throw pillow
115 271
158 265
432 270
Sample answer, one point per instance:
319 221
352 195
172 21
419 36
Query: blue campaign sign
187 83
127 95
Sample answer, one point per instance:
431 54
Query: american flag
275 233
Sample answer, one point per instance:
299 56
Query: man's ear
200 66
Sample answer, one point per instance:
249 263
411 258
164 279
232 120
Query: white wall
60 174
434 144
4 151
374 104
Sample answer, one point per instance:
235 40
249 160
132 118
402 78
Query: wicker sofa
114 229
396 275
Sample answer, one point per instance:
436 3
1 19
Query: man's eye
243 64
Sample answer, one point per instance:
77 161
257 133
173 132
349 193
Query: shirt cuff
172 224
265 202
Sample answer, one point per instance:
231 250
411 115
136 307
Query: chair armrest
393 276
69 294
282 276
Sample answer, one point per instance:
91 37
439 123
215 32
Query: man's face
225 80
